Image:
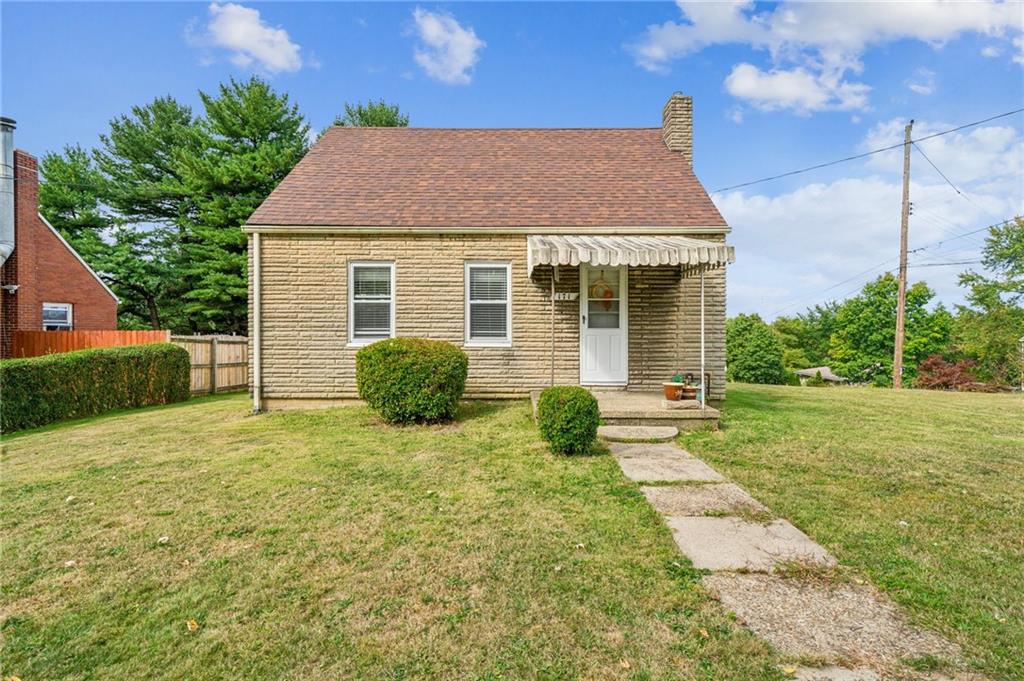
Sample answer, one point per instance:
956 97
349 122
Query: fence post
213 366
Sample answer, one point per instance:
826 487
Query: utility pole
1022 365
901 302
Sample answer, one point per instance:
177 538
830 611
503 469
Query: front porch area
649 408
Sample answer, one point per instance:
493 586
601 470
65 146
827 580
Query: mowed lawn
923 492
322 544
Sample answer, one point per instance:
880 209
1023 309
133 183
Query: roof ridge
425 127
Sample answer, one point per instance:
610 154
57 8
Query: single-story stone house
588 256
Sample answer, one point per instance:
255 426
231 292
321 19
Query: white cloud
991 51
447 51
923 82
251 42
796 89
982 154
814 46
792 246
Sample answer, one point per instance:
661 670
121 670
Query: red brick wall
45 269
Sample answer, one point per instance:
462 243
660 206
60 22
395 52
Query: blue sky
775 86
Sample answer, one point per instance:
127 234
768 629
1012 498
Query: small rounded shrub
412 380
568 417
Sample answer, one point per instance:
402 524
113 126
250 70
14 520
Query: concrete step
638 433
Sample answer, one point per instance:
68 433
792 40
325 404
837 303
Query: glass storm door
604 339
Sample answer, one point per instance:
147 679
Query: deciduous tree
989 326
753 352
862 344
377 114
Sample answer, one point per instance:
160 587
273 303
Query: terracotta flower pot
673 391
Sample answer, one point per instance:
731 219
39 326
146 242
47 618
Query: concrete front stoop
858 633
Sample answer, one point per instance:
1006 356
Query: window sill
487 344
363 344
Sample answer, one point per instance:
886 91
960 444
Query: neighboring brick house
46 284
569 256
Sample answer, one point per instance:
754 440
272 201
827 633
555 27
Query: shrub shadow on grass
477 409
599 448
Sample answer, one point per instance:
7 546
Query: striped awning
626 250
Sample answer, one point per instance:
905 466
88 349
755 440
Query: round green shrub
568 417
412 380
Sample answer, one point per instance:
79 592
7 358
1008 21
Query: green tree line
855 337
156 208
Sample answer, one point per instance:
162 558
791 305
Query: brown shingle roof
412 177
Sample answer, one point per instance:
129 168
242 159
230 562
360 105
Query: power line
964 194
865 154
934 244
944 264
941 174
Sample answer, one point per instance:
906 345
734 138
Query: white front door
604 339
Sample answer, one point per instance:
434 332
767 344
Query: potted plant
674 388
688 391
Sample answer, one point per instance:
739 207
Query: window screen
372 301
487 303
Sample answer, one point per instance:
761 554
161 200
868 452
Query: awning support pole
703 386
554 269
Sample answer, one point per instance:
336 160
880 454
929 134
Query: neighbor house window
488 303
56 316
371 302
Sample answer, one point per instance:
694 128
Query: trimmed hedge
568 417
412 380
40 390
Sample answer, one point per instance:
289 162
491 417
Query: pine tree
251 138
69 198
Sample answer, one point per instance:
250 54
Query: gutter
485 231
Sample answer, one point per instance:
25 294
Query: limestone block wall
307 357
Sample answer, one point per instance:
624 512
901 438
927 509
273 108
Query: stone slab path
697 500
805 613
737 544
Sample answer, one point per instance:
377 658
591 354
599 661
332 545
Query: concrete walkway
779 582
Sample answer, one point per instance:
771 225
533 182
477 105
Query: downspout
257 347
6 189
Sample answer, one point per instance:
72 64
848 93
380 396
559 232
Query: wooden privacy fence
219 363
36 343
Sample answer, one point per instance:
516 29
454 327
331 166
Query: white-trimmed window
488 303
371 302
57 317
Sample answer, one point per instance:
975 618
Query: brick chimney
677 125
